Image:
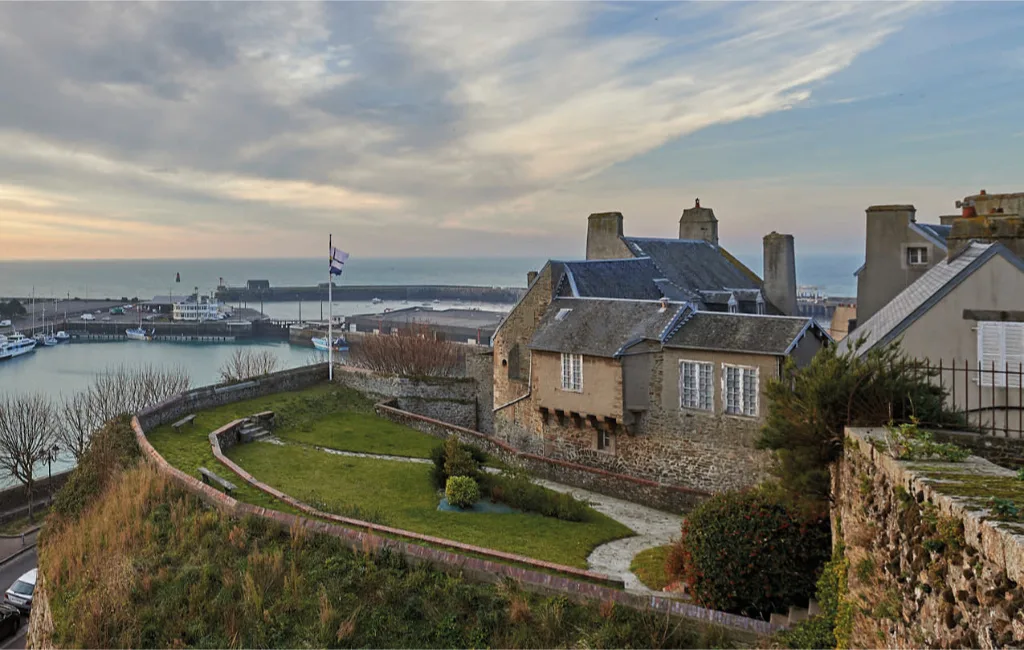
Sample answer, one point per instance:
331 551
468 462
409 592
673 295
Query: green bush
752 552
454 458
462 491
514 489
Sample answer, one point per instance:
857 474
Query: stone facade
480 368
929 564
451 399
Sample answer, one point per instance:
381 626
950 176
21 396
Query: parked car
88 317
20 593
5 323
10 620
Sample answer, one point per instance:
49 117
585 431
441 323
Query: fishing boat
320 343
139 334
62 336
16 345
376 301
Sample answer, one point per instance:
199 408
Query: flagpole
330 308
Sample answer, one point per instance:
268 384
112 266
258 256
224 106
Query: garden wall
931 564
650 493
451 399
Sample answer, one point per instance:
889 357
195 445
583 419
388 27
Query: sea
68 368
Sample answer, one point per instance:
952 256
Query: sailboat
61 335
139 333
42 338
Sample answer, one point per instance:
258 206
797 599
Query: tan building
967 314
653 364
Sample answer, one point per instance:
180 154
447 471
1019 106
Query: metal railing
988 398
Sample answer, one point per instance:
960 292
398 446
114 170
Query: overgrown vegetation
247 363
833 626
411 353
147 566
809 407
649 567
907 441
751 552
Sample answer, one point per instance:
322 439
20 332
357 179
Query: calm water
70 367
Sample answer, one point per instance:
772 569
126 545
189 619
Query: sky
190 130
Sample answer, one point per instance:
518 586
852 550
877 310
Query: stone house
968 310
654 364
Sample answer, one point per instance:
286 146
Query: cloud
462 117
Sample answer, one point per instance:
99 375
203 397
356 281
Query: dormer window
734 306
760 304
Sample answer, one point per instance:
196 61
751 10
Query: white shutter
990 352
1013 353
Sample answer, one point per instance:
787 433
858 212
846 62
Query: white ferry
15 345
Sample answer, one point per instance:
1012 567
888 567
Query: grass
16 526
175 574
649 566
403 496
362 432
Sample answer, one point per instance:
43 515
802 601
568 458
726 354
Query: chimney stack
530 277
604 236
780 272
699 223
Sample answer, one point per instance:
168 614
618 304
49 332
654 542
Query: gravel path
652 527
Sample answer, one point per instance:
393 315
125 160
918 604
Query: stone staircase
252 431
796 615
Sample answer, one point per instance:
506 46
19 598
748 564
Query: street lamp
51 454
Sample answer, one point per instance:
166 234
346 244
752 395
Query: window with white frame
1000 354
917 255
695 385
572 372
739 390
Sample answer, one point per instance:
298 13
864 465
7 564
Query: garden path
652 527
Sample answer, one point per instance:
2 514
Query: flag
338 258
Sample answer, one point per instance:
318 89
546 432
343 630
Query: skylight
562 313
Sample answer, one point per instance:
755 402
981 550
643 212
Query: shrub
751 552
462 491
413 353
465 461
908 442
514 489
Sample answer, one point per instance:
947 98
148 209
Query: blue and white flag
338 258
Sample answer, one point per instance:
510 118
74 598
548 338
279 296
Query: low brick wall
667 497
929 563
14 500
478 569
1006 452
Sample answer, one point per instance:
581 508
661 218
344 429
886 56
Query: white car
87 317
20 593
5 323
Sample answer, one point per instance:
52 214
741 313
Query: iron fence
987 398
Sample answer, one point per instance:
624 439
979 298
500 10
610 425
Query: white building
205 309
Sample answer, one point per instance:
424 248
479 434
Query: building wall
602 385
943 334
885 272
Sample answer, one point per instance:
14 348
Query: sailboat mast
330 309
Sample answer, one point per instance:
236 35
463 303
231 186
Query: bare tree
246 364
413 353
78 422
27 429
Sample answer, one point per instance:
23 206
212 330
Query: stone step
812 608
779 619
797 614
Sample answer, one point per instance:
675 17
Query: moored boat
139 334
320 343
62 336
16 345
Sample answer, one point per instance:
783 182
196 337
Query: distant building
459 325
257 285
203 309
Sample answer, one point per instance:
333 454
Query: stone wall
14 500
480 368
1006 452
930 564
451 399
658 495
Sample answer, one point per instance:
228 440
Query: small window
513 362
695 385
572 372
740 390
562 313
604 440
734 307
1000 354
917 255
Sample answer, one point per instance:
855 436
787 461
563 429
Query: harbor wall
412 293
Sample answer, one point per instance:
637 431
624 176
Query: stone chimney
604 236
780 272
530 277
699 224
989 218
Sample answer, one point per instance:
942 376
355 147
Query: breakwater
412 292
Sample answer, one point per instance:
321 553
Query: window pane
732 389
750 391
705 386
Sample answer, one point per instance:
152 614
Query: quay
260 290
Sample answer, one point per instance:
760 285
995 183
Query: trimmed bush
454 458
515 489
462 491
751 552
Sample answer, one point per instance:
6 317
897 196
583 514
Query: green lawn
649 566
403 494
400 494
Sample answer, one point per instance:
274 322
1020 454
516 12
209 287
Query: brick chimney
699 223
780 272
604 236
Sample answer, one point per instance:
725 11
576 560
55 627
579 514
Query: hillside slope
131 560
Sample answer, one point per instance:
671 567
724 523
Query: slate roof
914 301
602 328
936 231
775 335
631 278
691 265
